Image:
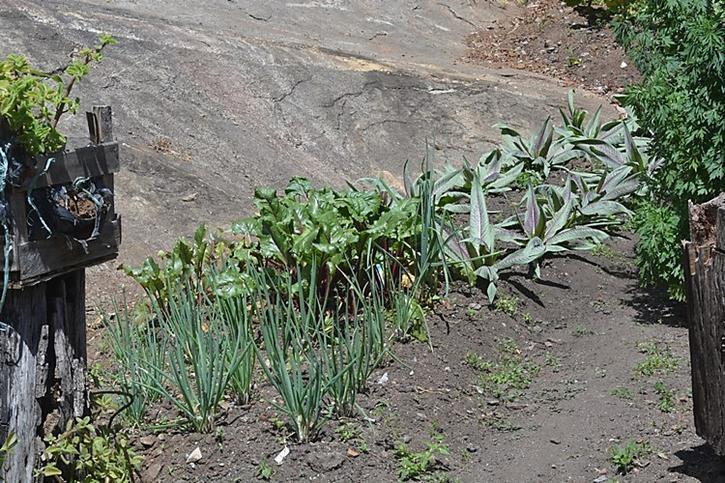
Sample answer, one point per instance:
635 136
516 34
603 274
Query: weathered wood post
42 325
705 279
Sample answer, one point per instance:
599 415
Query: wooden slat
86 162
100 124
44 259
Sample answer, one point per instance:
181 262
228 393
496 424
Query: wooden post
43 324
42 375
705 279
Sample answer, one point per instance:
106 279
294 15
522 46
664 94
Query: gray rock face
213 98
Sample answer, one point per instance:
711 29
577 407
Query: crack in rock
453 12
291 91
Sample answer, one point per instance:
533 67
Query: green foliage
191 353
678 45
576 215
625 457
10 442
315 351
264 471
416 465
659 254
507 305
666 403
32 102
136 349
205 343
509 375
622 392
657 359
86 453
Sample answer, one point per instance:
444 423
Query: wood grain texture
704 259
42 376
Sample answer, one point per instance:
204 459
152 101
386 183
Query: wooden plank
705 284
23 347
43 370
86 162
100 124
44 259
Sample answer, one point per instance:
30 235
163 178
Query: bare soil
548 37
582 326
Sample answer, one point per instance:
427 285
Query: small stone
324 462
194 456
148 440
555 441
600 479
623 65
352 453
493 402
383 379
471 449
190 197
152 472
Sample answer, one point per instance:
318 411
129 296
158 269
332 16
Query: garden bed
587 397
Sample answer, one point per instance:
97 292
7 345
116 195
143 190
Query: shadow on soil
701 463
653 306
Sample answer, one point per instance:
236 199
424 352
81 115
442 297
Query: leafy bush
678 45
32 102
86 453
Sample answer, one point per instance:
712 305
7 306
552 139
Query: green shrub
678 45
86 453
32 102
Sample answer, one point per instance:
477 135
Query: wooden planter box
39 260
43 380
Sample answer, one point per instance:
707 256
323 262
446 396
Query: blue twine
5 221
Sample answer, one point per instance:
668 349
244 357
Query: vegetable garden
300 309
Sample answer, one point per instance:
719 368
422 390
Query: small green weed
528 319
552 361
264 471
507 305
84 453
581 330
657 359
499 422
622 392
476 362
507 376
417 465
5 449
627 456
350 432
667 397
604 251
